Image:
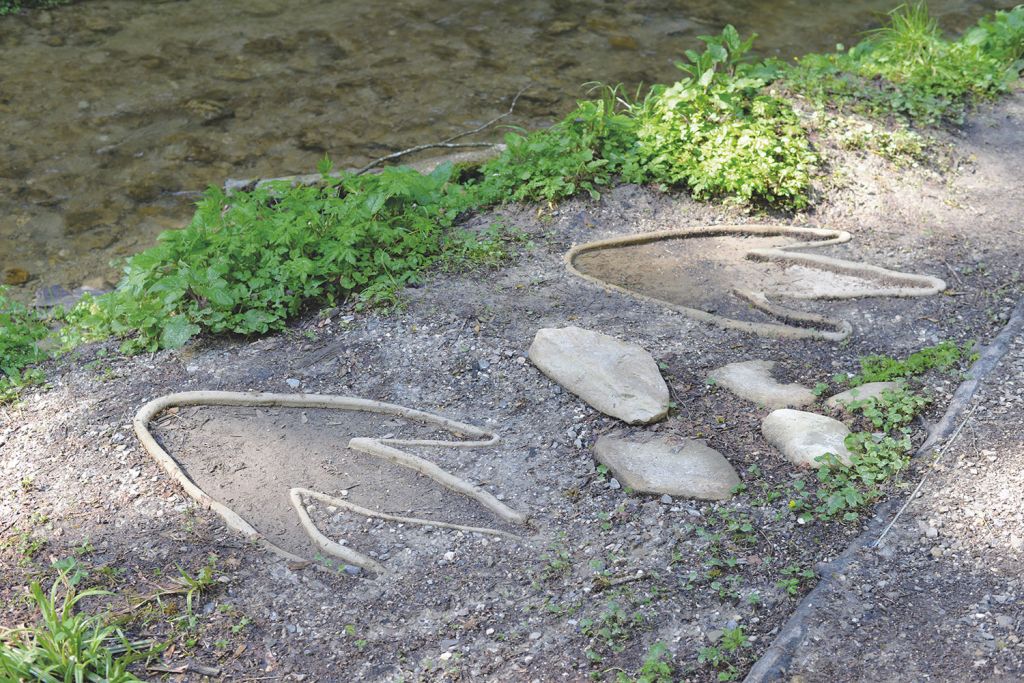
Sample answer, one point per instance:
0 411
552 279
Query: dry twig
939 452
447 143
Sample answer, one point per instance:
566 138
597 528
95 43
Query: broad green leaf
176 332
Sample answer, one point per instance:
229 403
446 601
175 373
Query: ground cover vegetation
68 645
908 69
15 6
21 331
250 261
880 443
80 632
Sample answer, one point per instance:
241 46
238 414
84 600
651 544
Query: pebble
292 382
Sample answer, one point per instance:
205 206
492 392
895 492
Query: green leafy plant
725 539
723 656
656 667
250 261
795 577
713 132
909 68
21 331
582 153
878 368
558 559
613 627
68 645
716 133
878 454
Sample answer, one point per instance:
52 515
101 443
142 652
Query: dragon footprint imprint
264 461
733 276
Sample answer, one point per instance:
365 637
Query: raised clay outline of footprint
889 283
381 448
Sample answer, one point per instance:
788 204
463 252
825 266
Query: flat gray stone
864 391
618 378
753 381
668 465
803 436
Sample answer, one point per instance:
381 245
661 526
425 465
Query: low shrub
718 134
249 261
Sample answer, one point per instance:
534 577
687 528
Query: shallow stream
116 113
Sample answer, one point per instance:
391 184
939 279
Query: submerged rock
802 437
753 381
15 276
618 378
668 465
55 295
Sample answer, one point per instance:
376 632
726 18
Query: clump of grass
908 68
67 645
21 331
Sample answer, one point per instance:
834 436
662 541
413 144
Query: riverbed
117 114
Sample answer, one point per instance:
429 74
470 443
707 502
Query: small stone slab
861 393
618 378
668 465
753 381
803 436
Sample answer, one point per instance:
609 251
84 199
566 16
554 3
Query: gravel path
940 598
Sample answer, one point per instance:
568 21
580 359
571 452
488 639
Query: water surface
115 111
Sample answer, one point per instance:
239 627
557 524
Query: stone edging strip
773 663
380 448
807 325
